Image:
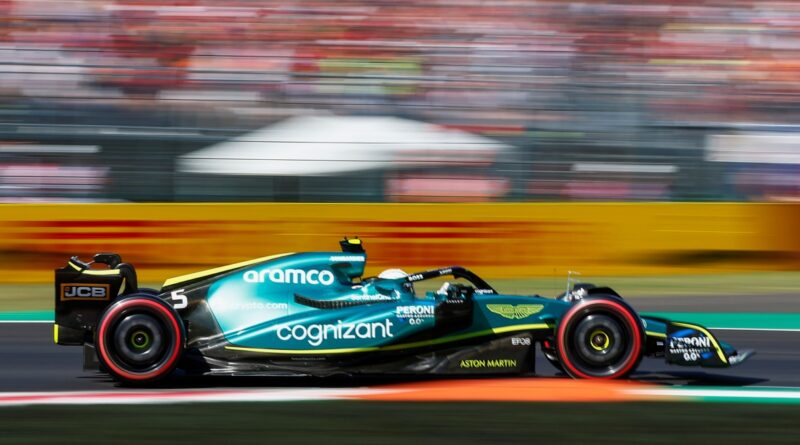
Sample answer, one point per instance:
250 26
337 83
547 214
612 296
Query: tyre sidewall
155 307
586 307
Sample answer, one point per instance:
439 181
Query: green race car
315 314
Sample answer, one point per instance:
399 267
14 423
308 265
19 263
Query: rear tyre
600 338
139 340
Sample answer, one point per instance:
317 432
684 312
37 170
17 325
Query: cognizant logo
290 276
315 334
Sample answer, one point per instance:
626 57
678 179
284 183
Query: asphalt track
774 303
29 361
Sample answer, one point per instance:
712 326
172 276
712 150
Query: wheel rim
138 341
599 343
599 340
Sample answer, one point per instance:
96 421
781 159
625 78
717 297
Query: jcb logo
76 291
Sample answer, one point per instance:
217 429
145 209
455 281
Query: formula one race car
313 314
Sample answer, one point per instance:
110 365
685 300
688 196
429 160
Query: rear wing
82 292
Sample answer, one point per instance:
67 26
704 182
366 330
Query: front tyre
139 339
600 338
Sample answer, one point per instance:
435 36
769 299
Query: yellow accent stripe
205 273
303 351
93 272
101 273
656 334
55 333
707 334
122 286
514 328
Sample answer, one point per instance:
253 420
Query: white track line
123 397
755 329
721 393
146 397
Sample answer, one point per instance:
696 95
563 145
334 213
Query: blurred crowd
599 99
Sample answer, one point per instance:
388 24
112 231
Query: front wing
689 344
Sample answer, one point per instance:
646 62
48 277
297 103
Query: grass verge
332 423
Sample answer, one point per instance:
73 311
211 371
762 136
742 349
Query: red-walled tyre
600 338
139 339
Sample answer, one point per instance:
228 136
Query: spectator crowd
562 80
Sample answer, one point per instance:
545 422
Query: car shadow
337 381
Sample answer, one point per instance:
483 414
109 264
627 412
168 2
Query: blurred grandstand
106 100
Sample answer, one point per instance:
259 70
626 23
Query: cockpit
449 282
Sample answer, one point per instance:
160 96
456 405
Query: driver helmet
392 274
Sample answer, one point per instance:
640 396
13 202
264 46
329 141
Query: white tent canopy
326 145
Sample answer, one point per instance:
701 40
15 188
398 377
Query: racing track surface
29 361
